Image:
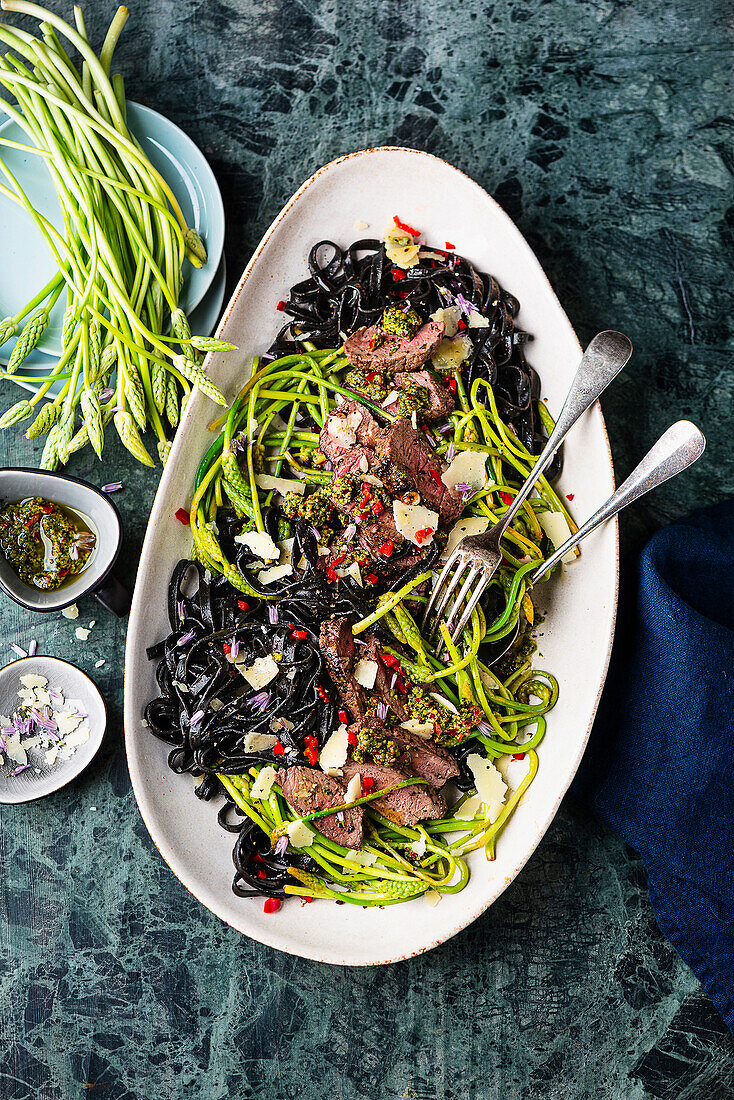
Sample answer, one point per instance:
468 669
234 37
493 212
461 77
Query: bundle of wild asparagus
128 353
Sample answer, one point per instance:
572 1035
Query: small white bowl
41 779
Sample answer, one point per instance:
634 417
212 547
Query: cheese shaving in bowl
469 468
415 523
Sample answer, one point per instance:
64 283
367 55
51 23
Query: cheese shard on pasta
490 785
469 468
556 528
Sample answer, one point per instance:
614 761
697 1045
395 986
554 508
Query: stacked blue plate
27 264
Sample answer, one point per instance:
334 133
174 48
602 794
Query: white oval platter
370 187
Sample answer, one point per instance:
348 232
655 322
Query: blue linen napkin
659 769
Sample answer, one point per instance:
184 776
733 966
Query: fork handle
602 361
676 450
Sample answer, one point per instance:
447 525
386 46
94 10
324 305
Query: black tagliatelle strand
350 288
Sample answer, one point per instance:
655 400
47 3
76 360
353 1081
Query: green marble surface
604 128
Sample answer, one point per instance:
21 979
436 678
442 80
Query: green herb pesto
448 729
371 383
45 544
375 743
316 507
400 322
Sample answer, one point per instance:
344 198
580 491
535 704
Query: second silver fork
477 557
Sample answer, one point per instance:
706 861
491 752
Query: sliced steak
307 790
348 419
407 806
374 535
441 401
426 758
394 353
336 642
402 446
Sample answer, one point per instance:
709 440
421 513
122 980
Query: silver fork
602 361
676 450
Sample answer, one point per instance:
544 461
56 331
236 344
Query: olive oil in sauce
46 544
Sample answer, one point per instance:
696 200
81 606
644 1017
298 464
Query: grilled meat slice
425 758
441 402
406 806
349 424
371 349
336 642
402 446
307 790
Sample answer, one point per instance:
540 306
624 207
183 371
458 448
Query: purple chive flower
234 649
394 680
54 696
259 702
16 649
73 553
186 638
273 614
180 609
196 718
484 727
105 395
3 745
328 466
465 304
112 487
281 846
451 453
21 768
349 532
463 487
446 428
381 711
32 645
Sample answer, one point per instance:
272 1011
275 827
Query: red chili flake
281 305
352 738
518 756
371 578
402 294
461 325
258 858
436 475
570 496
338 560
371 376
423 534
450 246
183 516
272 905
299 634
227 648
401 686
387 548
377 508
307 899
390 660
366 490
397 273
342 716
331 574
311 755
321 693
262 874
452 387
243 605
367 782
278 749
406 228
506 498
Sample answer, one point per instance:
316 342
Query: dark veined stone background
604 129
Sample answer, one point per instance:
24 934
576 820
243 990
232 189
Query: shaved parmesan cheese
5 721
474 525
263 783
371 479
421 729
512 771
51 755
471 808
412 518
260 672
490 785
33 681
450 315
365 672
478 320
556 528
286 551
352 570
392 396
333 756
82 633
274 573
400 248
70 612
432 897
451 353
65 723
354 788
14 750
366 859
261 545
281 485
443 702
259 742
418 847
299 834
468 468
78 737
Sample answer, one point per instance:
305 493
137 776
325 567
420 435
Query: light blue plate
26 264
203 321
